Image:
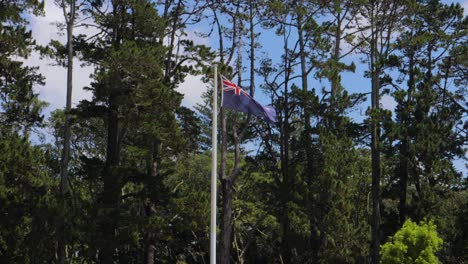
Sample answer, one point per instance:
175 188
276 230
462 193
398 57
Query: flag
237 99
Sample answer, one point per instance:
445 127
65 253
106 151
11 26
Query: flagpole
214 163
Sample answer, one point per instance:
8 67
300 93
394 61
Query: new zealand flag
237 99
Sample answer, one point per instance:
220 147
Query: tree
137 170
413 243
28 207
426 79
70 9
20 106
234 126
135 96
337 134
380 21
191 206
129 90
281 141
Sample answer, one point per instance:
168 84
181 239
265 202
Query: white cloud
54 91
42 27
192 88
387 102
193 35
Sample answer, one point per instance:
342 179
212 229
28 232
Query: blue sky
54 91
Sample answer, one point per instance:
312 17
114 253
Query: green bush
413 243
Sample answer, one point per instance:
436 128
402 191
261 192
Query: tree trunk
111 188
64 184
150 250
285 185
335 80
403 180
313 239
228 181
227 221
286 247
404 147
151 206
111 195
67 128
375 149
375 186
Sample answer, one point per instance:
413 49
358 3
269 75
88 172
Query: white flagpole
214 163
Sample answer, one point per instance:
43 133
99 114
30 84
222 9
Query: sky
44 29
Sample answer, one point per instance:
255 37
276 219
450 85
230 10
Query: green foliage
256 228
190 207
140 162
452 225
21 108
345 177
413 243
28 207
421 141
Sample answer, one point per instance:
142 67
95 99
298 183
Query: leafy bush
413 243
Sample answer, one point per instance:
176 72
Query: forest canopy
365 163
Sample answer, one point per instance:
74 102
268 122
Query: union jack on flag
237 99
230 86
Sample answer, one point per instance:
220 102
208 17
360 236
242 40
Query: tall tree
134 85
182 57
27 206
380 20
426 135
310 47
339 191
234 12
70 9
281 144
127 81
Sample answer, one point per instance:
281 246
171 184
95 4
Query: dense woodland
124 177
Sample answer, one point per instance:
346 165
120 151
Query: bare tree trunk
67 129
285 185
375 137
375 186
227 181
335 82
227 220
241 254
384 21
69 17
150 250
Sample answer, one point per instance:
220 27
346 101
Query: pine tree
379 21
428 111
21 108
28 207
134 94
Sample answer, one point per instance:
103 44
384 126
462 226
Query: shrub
413 243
